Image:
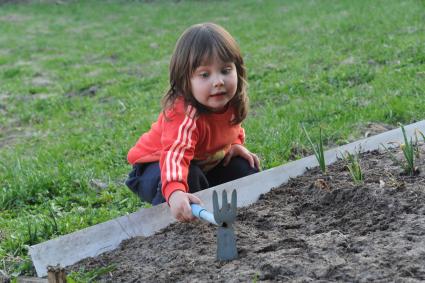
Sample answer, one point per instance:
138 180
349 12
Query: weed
318 149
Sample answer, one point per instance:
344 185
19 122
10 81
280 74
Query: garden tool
224 218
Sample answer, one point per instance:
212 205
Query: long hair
198 43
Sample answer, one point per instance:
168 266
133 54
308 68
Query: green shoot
318 149
417 151
89 276
422 134
408 149
353 165
255 278
392 155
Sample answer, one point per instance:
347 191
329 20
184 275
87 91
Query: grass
81 80
88 276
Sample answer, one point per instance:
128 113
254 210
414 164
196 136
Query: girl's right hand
179 202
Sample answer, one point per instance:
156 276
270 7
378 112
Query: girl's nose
218 81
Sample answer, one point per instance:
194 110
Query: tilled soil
315 228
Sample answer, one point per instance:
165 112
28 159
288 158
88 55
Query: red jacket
182 136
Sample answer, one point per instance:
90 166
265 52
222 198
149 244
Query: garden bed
315 227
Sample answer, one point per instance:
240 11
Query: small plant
420 133
408 149
417 132
353 165
256 277
89 276
318 149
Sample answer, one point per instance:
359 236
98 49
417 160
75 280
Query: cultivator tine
234 203
216 209
224 203
225 217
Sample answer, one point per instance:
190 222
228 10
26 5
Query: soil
315 228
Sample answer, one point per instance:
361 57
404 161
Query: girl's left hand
240 150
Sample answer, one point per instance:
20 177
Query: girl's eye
226 70
204 75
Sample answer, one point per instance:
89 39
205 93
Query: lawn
81 80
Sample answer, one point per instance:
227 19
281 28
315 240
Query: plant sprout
417 143
318 149
353 165
408 149
422 134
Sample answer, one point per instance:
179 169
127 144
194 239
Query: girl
197 141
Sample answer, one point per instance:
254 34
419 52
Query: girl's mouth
218 94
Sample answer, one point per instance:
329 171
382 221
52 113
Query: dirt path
304 231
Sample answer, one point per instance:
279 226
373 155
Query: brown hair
198 43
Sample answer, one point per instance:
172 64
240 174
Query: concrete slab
94 240
31 280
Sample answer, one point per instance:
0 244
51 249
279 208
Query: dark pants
145 179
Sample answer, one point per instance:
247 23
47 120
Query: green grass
88 276
331 64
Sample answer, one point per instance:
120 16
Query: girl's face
214 84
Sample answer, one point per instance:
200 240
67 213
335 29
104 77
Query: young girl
197 141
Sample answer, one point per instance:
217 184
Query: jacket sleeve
135 153
179 138
241 136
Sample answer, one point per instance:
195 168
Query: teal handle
201 213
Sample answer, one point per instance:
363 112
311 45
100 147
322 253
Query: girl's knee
196 179
143 180
242 166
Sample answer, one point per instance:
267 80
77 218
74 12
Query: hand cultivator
224 218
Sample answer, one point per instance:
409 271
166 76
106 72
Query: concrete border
94 240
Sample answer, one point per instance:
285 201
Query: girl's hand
240 150
179 202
